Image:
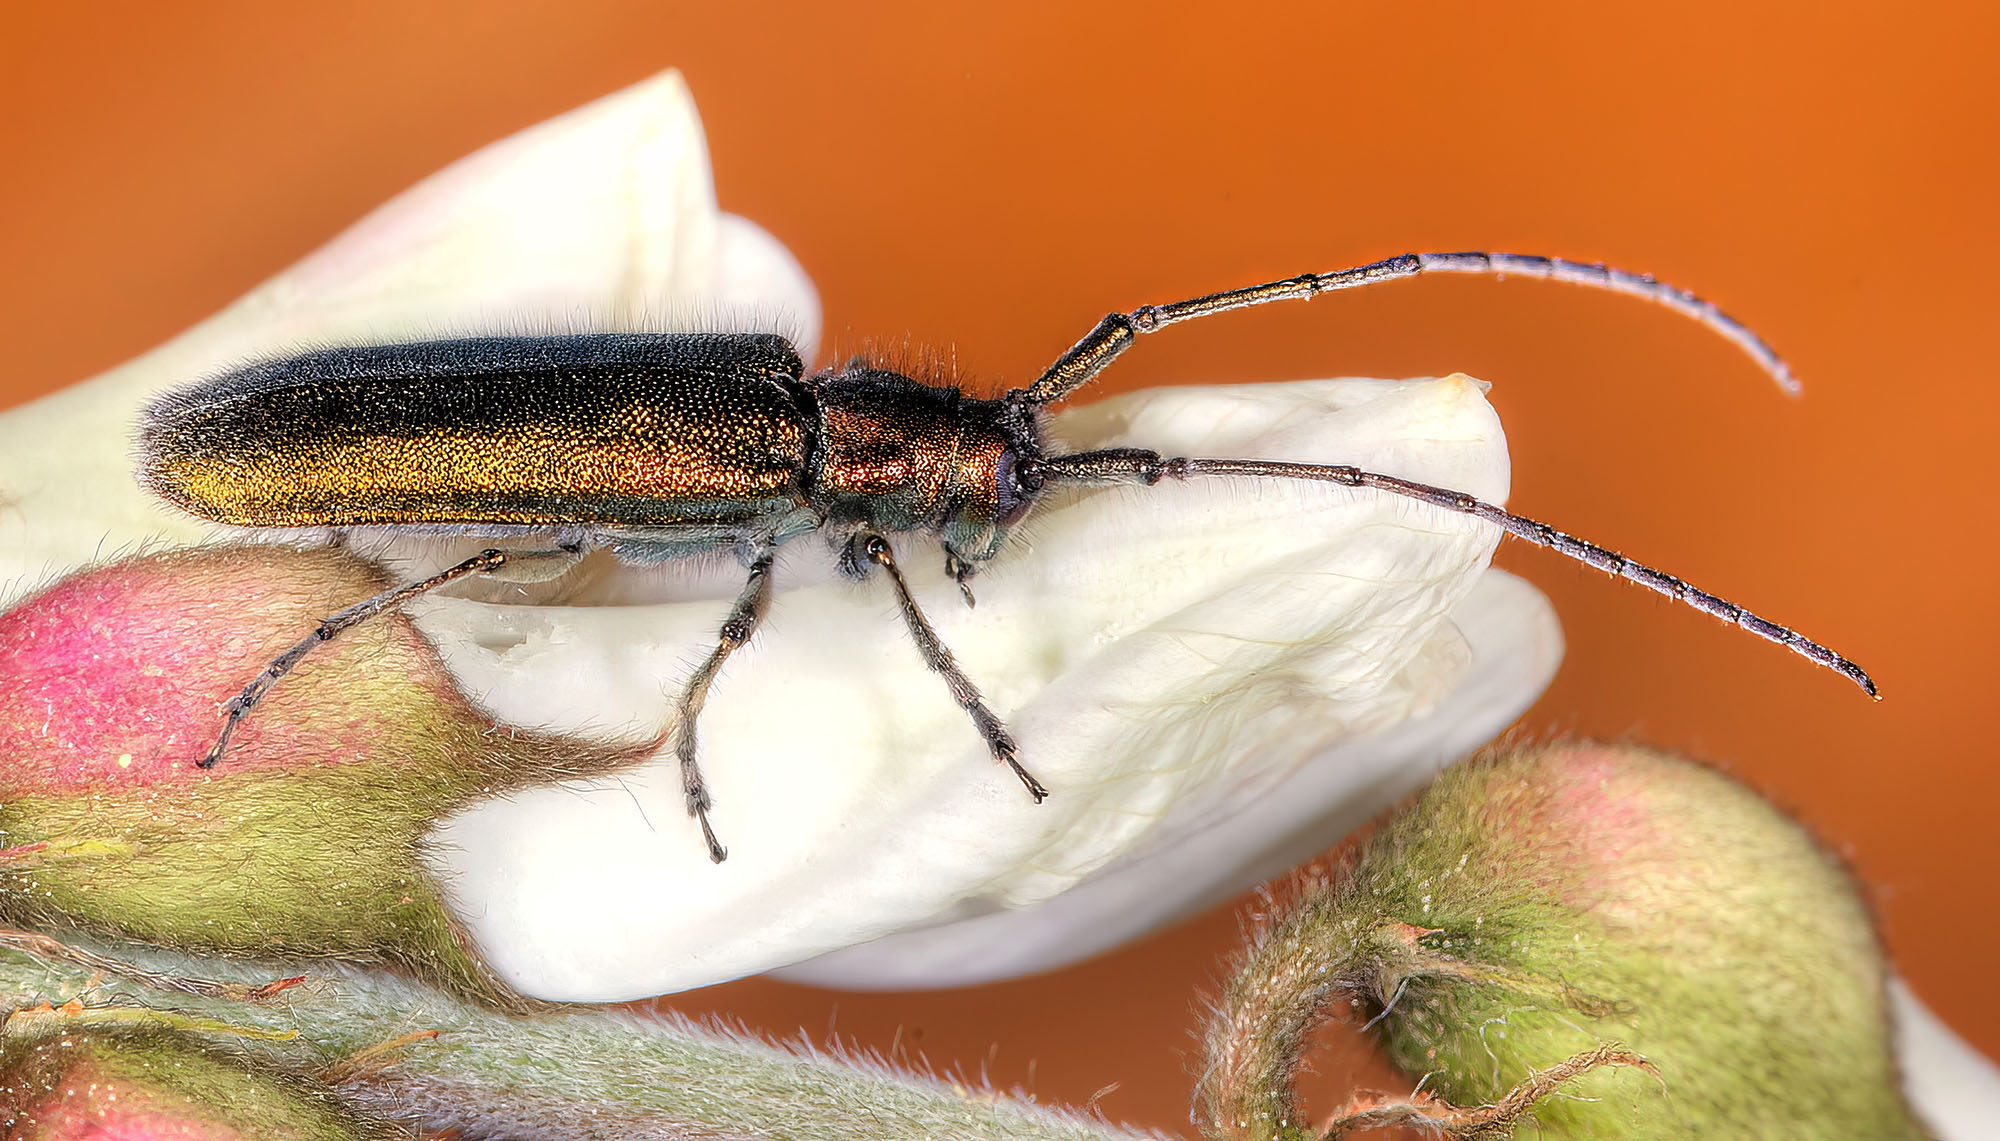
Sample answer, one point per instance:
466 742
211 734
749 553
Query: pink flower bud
304 838
94 1086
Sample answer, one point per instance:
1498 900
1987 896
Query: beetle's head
990 489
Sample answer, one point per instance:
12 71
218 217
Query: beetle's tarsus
716 852
1034 786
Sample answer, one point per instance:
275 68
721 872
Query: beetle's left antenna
1113 335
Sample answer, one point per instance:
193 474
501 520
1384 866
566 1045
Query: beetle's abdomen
642 430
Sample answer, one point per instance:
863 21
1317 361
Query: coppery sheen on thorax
902 455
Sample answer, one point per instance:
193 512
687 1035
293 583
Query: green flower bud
1616 942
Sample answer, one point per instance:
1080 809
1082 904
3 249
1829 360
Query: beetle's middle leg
751 606
875 549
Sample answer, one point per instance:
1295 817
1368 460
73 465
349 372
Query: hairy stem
406 1052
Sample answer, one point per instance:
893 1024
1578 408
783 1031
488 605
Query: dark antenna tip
1597 275
1859 677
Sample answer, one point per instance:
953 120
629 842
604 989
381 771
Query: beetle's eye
1012 498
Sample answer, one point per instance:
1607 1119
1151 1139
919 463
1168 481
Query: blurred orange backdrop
993 179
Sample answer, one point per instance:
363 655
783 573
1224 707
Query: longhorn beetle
661 446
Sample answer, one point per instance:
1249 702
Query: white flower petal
601 218
1954 1087
1515 644
1166 656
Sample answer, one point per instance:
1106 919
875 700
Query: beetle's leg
1137 465
751 606
1113 335
961 571
875 549
485 562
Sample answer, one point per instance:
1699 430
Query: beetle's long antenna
1113 335
1133 465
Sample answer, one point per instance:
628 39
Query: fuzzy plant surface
339 1052
150 1084
1579 941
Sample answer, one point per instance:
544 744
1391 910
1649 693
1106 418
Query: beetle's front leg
751 606
867 550
961 570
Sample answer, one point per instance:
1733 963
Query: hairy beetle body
656 445
664 445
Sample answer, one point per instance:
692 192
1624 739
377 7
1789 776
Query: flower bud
304 839
1628 944
93 1086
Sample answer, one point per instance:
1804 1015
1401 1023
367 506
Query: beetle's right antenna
1113 335
1113 466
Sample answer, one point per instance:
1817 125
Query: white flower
1214 679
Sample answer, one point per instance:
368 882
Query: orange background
994 181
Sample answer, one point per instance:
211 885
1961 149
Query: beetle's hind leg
330 627
751 606
869 548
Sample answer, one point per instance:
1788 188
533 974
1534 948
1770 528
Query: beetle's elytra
661 446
